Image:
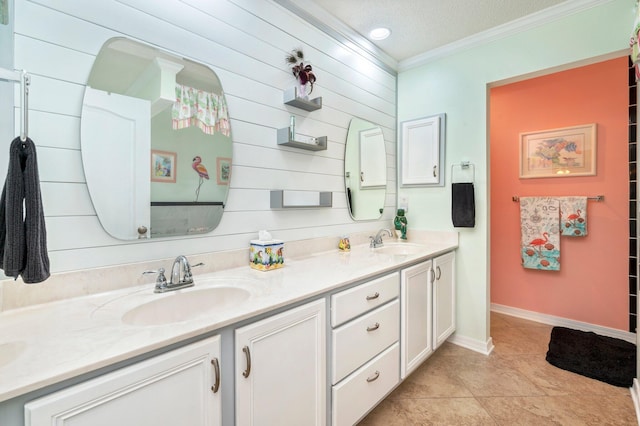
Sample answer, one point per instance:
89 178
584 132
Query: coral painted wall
592 285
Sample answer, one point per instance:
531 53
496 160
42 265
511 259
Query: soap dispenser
400 223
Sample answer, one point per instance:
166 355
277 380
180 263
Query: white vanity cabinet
427 309
280 368
416 295
180 387
365 349
444 298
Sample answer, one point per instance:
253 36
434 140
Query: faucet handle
187 270
161 281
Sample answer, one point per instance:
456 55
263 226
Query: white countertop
48 343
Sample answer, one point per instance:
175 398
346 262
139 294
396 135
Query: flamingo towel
573 216
540 233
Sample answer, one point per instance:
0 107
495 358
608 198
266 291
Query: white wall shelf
290 97
282 199
313 144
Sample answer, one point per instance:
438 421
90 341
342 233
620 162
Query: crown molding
510 28
332 26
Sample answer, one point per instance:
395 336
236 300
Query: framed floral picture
565 152
163 166
223 166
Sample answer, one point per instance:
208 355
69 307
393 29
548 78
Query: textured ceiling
419 26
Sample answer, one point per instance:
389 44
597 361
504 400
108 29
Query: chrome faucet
181 272
377 240
180 276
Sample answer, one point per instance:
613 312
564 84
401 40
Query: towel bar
597 198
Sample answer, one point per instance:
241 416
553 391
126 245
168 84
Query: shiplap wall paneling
244 42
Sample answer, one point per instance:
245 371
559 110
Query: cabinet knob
216 372
247 355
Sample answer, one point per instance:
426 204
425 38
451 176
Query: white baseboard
484 348
635 395
563 322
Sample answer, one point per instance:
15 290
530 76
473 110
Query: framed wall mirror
365 170
156 142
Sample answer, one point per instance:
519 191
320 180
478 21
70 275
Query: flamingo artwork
539 242
202 172
575 216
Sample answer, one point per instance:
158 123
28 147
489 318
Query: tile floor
513 386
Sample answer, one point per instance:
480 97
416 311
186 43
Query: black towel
463 205
23 237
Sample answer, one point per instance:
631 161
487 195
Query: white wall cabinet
421 151
428 314
280 365
176 388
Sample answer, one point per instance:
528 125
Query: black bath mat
603 358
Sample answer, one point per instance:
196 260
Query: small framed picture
565 152
163 166
223 166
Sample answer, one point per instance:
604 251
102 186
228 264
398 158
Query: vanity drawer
361 391
350 303
362 339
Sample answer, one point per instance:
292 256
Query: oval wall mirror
365 170
155 141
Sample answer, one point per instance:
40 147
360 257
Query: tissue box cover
266 255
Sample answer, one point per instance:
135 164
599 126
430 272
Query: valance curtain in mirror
206 110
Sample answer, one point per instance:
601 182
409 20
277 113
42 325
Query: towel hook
25 81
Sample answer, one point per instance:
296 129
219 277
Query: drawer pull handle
433 276
374 327
373 296
247 355
439 275
374 377
216 370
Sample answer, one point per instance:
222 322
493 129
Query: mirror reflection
365 167
156 142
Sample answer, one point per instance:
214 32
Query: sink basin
184 305
10 351
400 249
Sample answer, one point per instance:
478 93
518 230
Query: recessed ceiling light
380 33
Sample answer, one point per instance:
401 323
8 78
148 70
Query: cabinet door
422 151
373 159
415 311
444 291
281 369
176 388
